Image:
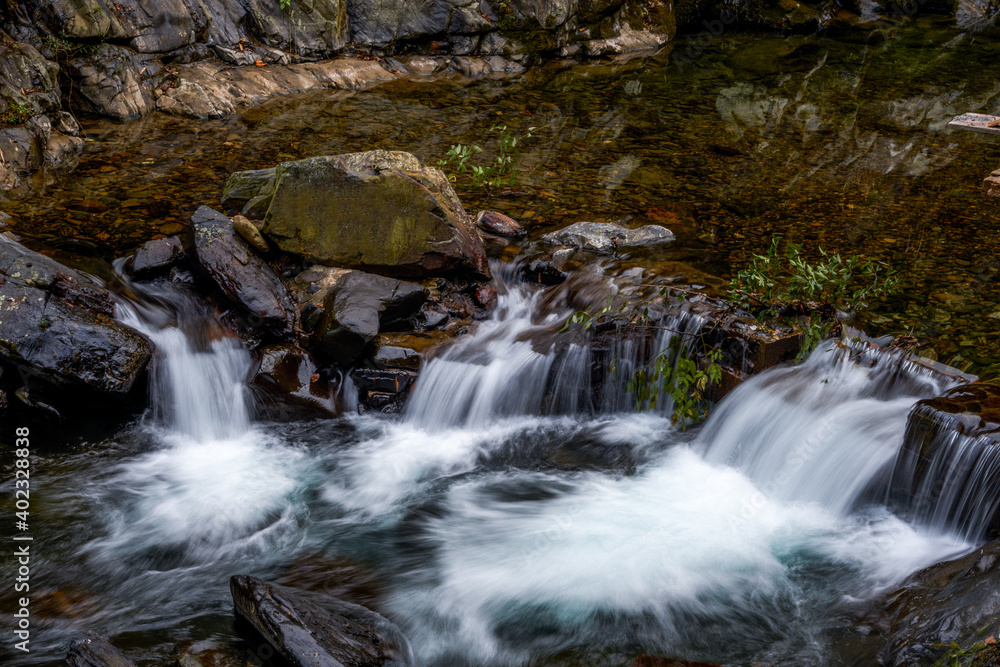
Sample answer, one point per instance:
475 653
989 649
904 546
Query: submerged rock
240 273
379 211
498 224
358 307
314 631
606 237
57 325
92 650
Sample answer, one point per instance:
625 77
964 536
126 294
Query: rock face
607 237
57 326
947 602
310 631
358 307
382 23
379 211
92 650
243 276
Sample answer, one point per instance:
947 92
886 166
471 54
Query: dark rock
57 326
392 356
944 603
310 631
607 237
307 27
288 385
382 401
153 258
358 307
380 211
430 317
238 271
540 272
498 223
486 296
92 650
379 24
657 661
243 186
390 381
114 81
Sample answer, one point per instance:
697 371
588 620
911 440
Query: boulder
153 258
288 385
393 356
947 602
240 273
114 81
314 631
605 237
92 650
380 211
498 224
57 326
243 186
306 27
358 307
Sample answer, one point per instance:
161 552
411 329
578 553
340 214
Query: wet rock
289 385
57 326
540 272
498 224
92 650
393 356
234 56
359 306
606 237
381 211
28 80
241 274
486 297
153 258
306 27
243 186
312 631
657 661
626 41
249 233
62 151
947 602
385 380
992 184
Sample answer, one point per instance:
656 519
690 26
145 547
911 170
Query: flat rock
378 211
313 631
240 273
606 237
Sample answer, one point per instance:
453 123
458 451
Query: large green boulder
380 211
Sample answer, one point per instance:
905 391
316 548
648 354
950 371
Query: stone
944 603
540 272
389 381
379 211
24 69
358 307
306 27
57 326
393 356
243 186
498 224
627 41
289 386
153 258
234 56
992 184
249 233
657 661
314 631
605 237
240 273
114 81
92 650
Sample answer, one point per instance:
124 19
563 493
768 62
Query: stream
504 519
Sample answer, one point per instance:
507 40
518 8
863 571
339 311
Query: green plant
784 284
15 114
286 5
980 654
504 169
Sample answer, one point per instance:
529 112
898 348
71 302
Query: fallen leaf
260 63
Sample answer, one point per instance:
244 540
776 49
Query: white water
512 521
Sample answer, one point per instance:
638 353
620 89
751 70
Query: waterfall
200 370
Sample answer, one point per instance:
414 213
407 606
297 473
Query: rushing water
494 527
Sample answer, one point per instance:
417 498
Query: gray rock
379 23
307 27
114 81
65 122
313 631
241 274
606 237
380 211
234 56
57 325
358 307
92 650
153 258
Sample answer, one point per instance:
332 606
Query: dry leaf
260 63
